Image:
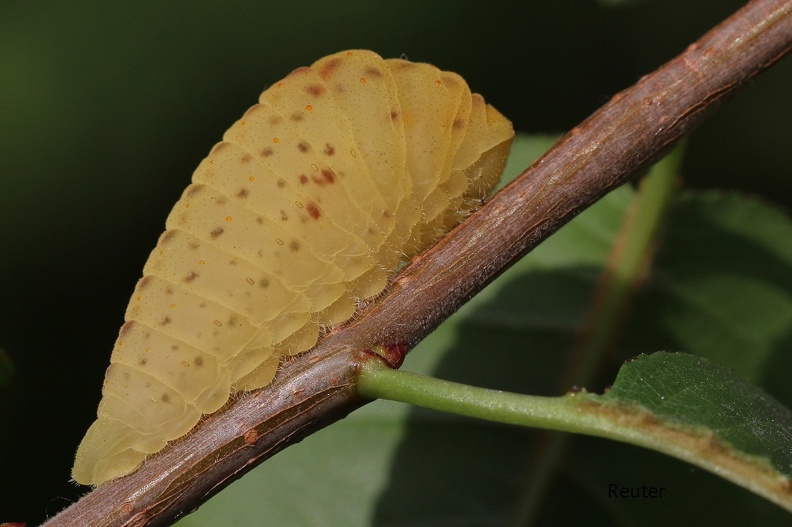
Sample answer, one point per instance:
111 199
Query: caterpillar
341 173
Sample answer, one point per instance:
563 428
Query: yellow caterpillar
340 174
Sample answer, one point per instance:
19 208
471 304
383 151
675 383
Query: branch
315 389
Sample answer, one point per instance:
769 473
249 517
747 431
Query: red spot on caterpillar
328 176
374 72
126 328
315 89
328 67
313 211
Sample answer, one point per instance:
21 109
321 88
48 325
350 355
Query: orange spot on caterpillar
252 178
309 107
438 82
229 218
276 139
362 80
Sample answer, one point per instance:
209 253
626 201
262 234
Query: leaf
388 464
688 403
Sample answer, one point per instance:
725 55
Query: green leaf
707 399
720 287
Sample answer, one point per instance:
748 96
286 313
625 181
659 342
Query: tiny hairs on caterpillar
342 172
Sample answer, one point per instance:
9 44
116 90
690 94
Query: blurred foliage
106 108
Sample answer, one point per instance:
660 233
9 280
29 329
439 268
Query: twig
616 143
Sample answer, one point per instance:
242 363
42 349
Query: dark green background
105 110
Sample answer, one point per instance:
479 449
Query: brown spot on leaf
297 117
294 246
165 321
192 275
216 232
394 115
165 398
303 179
242 193
246 158
459 123
280 183
303 147
144 282
329 150
284 216
198 361
275 119
263 283
266 151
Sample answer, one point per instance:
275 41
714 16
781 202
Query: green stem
580 412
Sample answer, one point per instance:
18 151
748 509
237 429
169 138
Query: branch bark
317 388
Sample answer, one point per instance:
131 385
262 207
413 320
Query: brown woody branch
616 143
